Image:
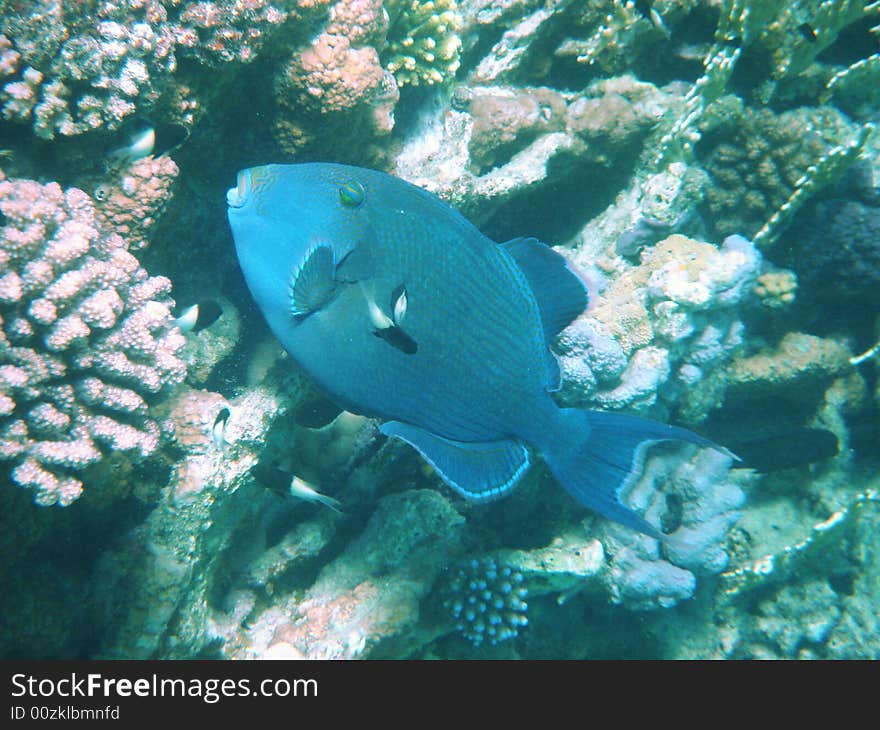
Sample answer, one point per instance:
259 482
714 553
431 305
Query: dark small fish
168 136
808 32
199 316
274 479
218 430
784 450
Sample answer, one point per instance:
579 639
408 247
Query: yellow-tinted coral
423 46
776 289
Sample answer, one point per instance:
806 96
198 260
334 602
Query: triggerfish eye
352 194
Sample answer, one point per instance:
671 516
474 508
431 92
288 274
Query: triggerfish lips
236 197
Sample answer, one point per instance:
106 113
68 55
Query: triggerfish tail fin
598 456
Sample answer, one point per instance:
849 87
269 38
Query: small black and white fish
199 316
645 7
148 139
138 145
218 430
283 483
389 328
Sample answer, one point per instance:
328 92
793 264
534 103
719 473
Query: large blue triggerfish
400 309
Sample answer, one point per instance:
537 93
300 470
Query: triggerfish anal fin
561 294
313 284
478 471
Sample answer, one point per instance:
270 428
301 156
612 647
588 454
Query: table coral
86 340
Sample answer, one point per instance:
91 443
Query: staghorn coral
773 29
422 45
86 339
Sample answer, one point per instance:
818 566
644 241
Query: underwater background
711 165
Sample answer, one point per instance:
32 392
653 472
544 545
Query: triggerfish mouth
399 308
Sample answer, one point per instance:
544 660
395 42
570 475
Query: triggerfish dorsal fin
561 294
480 472
313 285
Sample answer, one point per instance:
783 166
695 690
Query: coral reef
67 74
660 326
709 166
756 170
423 46
87 339
835 239
696 502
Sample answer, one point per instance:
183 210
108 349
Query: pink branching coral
129 204
86 337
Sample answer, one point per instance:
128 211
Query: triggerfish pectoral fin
478 471
598 456
313 285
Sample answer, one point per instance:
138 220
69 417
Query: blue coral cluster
487 601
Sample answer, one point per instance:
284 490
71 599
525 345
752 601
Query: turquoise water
174 485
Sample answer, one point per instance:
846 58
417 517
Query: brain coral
85 339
